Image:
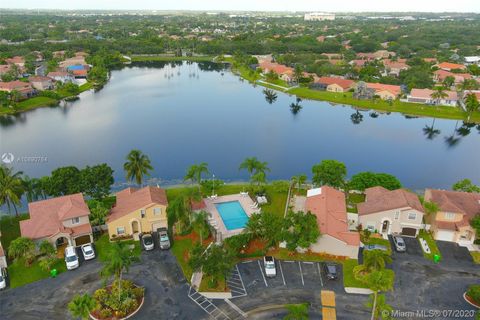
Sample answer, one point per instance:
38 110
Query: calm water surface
185 114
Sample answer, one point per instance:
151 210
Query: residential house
62 220
393 68
61 76
391 212
472 60
385 91
17 60
24 88
441 75
328 205
138 211
333 84
4 69
74 61
452 221
41 83
359 63
447 66
425 96
285 73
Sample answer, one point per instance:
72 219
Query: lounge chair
264 199
254 206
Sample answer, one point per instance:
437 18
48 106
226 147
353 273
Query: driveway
452 253
165 291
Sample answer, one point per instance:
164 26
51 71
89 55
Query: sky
255 5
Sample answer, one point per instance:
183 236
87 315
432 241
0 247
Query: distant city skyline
255 5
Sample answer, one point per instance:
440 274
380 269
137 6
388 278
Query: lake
183 113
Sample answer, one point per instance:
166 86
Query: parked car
269 263
3 278
87 251
399 243
147 241
374 247
71 258
164 240
330 271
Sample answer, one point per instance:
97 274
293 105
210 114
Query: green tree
81 306
298 181
98 213
46 248
431 208
217 263
365 180
31 187
195 172
382 310
22 247
200 225
266 226
137 166
64 181
329 172
376 259
119 260
297 312
300 230
448 81
438 94
465 185
377 281
471 104
11 188
475 223
96 181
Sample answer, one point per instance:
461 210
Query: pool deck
245 201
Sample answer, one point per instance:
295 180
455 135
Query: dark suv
330 271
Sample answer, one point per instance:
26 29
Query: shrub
238 242
280 186
473 293
101 295
138 292
105 313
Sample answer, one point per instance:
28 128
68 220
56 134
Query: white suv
270 270
71 258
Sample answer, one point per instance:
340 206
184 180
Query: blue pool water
233 215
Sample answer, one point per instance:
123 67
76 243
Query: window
157 211
397 215
76 220
449 215
142 213
120 230
412 216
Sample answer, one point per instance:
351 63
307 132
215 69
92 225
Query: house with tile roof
285 73
397 212
138 211
452 221
333 84
393 68
425 96
328 205
24 88
41 83
62 220
447 66
385 91
441 75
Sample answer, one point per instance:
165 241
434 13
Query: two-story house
455 210
61 220
138 211
391 212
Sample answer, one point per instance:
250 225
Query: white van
71 258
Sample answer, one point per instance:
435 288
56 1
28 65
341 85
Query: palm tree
471 104
430 131
376 259
382 310
270 95
22 248
254 166
259 178
195 171
356 117
11 188
297 312
119 260
431 208
299 180
379 281
81 306
439 94
31 188
137 166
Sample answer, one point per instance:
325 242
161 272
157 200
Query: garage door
157 225
444 235
82 240
409 232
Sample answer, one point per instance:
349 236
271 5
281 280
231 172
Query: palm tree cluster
257 170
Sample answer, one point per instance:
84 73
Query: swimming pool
233 215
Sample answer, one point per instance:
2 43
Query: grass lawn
21 275
431 243
475 256
397 106
29 104
103 247
10 228
348 278
277 201
180 250
204 287
86 86
353 200
285 254
139 58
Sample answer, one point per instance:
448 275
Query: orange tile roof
396 90
380 199
344 83
15 85
427 94
455 201
275 67
46 216
328 204
450 66
131 199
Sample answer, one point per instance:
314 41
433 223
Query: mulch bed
96 313
471 301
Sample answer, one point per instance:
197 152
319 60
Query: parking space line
301 274
320 273
289 261
307 262
248 261
281 271
261 271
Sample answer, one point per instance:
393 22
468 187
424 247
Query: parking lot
289 274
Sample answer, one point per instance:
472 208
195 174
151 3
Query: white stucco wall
330 245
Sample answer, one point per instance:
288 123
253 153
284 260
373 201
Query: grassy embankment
142 58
